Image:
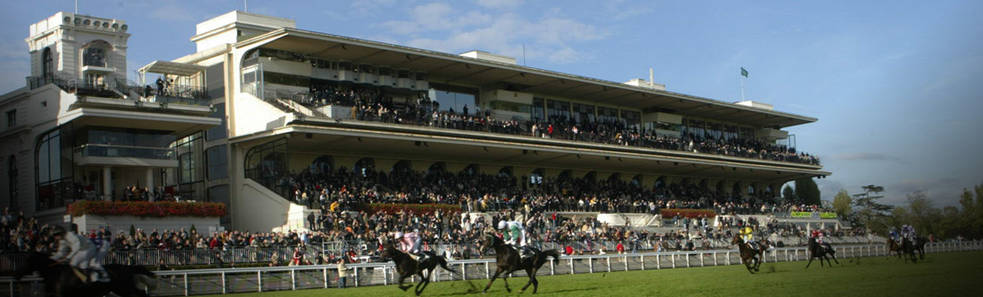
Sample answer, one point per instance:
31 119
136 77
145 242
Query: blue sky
895 84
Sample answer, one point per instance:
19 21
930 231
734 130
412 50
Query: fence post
356 277
702 261
487 271
464 272
673 260
727 258
625 258
552 269
324 273
609 263
571 266
293 279
642 259
687 255
714 258
590 264
186 284
259 281
224 290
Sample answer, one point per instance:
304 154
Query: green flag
743 72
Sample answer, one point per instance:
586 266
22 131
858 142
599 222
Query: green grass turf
949 274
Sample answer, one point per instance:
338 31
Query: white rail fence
264 279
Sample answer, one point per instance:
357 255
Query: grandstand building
259 99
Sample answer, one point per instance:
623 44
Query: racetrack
940 274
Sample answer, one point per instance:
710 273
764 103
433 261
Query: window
53 170
12 181
190 159
538 111
11 118
94 56
583 113
217 158
47 64
558 110
452 98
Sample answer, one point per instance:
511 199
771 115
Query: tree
869 212
841 204
788 193
807 191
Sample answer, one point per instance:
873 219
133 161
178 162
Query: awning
166 67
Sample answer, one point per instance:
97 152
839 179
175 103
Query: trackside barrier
262 279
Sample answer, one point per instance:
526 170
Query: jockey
893 234
747 234
77 251
908 232
514 234
818 235
101 244
410 244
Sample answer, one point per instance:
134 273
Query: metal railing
262 279
110 150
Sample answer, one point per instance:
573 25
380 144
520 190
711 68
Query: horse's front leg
505 279
417 289
424 281
532 277
402 277
810 261
497 272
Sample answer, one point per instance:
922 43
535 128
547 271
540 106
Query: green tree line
865 211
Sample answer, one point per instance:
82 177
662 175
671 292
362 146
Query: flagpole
742 87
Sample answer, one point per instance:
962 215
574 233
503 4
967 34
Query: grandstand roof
450 68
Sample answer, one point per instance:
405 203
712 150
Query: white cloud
440 27
500 4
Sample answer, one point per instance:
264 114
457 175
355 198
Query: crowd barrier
264 279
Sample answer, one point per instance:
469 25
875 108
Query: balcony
124 155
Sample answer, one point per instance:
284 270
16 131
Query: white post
107 175
150 182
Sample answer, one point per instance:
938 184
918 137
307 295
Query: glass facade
53 160
558 110
218 163
190 156
454 99
267 163
583 113
538 109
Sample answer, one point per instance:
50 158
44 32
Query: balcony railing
143 152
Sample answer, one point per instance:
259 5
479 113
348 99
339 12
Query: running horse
908 250
750 256
61 280
821 251
406 266
894 247
508 261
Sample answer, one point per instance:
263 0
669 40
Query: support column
107 183
150 182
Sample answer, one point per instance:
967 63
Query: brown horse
751 257
894 247
822 251
508 261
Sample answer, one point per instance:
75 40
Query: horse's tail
551 253
443 263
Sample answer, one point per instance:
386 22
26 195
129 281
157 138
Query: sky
895 84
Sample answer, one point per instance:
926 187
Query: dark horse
908 249
822 251
750 256
919 245
406 266
61 280
508 261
